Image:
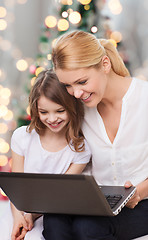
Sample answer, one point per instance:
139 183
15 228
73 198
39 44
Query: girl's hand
29 219
20 227
135 199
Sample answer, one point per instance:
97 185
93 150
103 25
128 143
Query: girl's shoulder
22 132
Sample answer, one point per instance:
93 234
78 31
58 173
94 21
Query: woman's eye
67 85
83 82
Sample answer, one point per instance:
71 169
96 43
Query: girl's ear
106 64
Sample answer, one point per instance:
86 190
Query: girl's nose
77 93
52 118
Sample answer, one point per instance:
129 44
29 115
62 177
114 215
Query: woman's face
88 84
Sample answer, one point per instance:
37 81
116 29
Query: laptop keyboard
113 199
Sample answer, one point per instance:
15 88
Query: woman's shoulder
140 82
141 87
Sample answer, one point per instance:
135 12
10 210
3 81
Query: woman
115 126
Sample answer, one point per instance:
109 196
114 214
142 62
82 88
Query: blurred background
28 29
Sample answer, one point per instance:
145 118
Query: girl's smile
52 115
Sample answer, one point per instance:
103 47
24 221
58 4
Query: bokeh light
5 93
28 110
63 25
94 29
8 116
87 7
64 14
113 42
115 7
67 2
4 146
49 56
84 2
3 24
50 21
33 81
117 36
3 110
4 101
74 17
3 128
22 65
39 70
3 12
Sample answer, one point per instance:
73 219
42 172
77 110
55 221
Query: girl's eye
61 111
42 112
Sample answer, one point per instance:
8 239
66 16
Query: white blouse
39 160
127 157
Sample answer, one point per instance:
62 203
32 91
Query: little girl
52 143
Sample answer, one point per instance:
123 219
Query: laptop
63 194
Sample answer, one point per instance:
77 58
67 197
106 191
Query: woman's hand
20 227
135 199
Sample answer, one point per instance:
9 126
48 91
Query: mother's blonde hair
79 49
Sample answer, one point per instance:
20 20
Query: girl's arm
76 168
20 225
140 194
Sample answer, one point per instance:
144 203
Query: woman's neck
116 89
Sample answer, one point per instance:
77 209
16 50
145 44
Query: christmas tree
68 15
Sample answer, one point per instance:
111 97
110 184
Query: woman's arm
76 168
140 194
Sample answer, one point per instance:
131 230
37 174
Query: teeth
86 97
53 124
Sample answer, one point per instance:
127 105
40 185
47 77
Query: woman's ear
106 64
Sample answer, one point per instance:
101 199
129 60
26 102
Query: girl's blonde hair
48 85
79 49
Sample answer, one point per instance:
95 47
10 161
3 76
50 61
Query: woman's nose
77 93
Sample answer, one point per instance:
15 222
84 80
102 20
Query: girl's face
52 115
88 84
